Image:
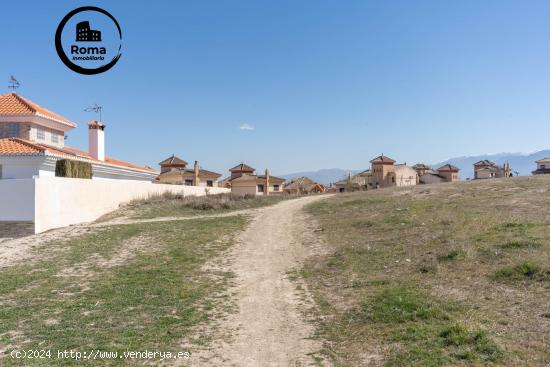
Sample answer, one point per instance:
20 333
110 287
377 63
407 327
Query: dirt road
268 329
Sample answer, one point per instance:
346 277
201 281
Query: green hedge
73 169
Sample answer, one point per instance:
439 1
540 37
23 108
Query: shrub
73 169
452 255
523 271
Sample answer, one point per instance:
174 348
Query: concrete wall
52 202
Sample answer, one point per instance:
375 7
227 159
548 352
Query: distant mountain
323 176
524 164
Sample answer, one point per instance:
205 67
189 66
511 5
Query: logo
85 50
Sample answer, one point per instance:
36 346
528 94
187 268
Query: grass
435 275
522 272
171 205
127 287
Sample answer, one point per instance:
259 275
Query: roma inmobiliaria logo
88 40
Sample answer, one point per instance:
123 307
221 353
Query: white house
33 199
32 139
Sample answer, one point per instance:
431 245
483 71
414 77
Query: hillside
435 275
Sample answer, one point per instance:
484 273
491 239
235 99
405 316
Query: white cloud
247 127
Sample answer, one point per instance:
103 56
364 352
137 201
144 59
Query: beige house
353 182
244 181
385 173
445 173
543 166
304 186
173 171
486 169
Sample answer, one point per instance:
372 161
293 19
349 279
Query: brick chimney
266 187
196 169
96 140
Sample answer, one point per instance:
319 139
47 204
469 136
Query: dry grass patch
448 274
172 205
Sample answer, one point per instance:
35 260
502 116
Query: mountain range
522 164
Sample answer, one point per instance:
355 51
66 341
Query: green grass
522 272
415 276
74 298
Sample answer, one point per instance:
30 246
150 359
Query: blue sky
324 83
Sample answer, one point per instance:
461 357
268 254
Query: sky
298 85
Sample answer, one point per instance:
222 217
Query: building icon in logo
85 34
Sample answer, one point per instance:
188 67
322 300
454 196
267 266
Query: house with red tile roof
32 140
174 171
244 181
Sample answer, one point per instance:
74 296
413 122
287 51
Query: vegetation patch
522 272
172 205
436 259
150 300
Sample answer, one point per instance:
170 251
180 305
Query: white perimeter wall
17 200
53 202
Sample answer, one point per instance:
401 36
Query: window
275 187
260 188
543 166
55 137
40 134
209 183
9 131
188 182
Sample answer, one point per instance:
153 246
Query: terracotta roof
421 166
14 104
202 172
448 167
382 159
173 160
242 167
21 147
484 162
543 160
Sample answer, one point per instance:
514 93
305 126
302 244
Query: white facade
51 202
20 167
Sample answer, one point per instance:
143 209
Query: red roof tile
14 104
16 146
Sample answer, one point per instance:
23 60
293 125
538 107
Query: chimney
197 180
96 140
266 187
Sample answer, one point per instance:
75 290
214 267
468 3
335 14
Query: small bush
471 344
397 305
523 271
452 255
73 169
513 245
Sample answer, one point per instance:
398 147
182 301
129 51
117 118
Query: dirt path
268 329
15 250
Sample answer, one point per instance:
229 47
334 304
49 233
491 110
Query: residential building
244 181
445 173
304 186
543 166
173 171
449 173
353 182
32 140
486 169
385 173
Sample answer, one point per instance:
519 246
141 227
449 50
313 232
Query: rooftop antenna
13 83
95 108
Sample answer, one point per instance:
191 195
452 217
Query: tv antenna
95 108
13 83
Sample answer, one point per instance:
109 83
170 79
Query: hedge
73 169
